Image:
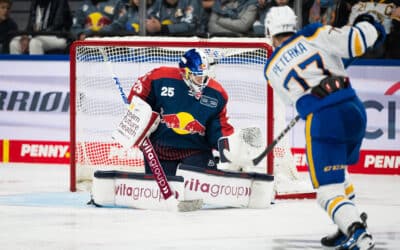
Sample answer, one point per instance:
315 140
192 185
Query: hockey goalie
176 116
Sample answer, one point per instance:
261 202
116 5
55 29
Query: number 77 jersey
312 54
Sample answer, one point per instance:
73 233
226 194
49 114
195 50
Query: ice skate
333 240
358 239
336 239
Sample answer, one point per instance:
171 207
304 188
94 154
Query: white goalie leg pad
333 200
262 191
215 187
138 122
237 150
134 190
226 189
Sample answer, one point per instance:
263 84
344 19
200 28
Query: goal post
96 105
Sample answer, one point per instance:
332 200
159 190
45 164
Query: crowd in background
52 25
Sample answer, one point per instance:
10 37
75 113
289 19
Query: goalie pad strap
217 172
111 174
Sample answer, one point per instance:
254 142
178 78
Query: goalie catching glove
238 150
138 123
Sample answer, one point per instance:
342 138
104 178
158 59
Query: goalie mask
195 71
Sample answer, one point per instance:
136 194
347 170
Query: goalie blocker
138 122
192 184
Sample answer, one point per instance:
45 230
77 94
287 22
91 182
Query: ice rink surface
38 212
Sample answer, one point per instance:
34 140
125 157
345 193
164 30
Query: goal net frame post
162 44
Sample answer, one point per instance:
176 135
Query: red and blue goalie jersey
186 123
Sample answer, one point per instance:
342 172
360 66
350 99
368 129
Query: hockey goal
97 107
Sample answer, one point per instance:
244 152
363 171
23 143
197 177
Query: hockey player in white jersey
307 70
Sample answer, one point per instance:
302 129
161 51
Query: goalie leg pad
262 191
215 187
226 189
134 190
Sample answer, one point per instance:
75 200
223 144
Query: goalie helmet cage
97 107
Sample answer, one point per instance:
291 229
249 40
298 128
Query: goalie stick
146 146
275 141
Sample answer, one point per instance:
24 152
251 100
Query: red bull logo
183 123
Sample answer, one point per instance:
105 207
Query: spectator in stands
7 24
322 11
342 13
393 39
263 7
174 18
258 25
93 15
206 9
129 19
45 16
232 17
387 12
305 12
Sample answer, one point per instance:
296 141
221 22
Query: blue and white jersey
314 53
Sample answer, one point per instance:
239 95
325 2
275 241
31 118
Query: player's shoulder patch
310 29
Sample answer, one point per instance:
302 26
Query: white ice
38 212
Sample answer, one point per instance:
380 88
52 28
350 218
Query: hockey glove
378 26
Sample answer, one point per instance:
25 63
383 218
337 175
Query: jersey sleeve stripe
226 128
349 43
359 44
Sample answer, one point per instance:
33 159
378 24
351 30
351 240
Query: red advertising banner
38 152
385 162
370 162
58 152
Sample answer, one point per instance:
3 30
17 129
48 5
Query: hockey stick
275 141
146 146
